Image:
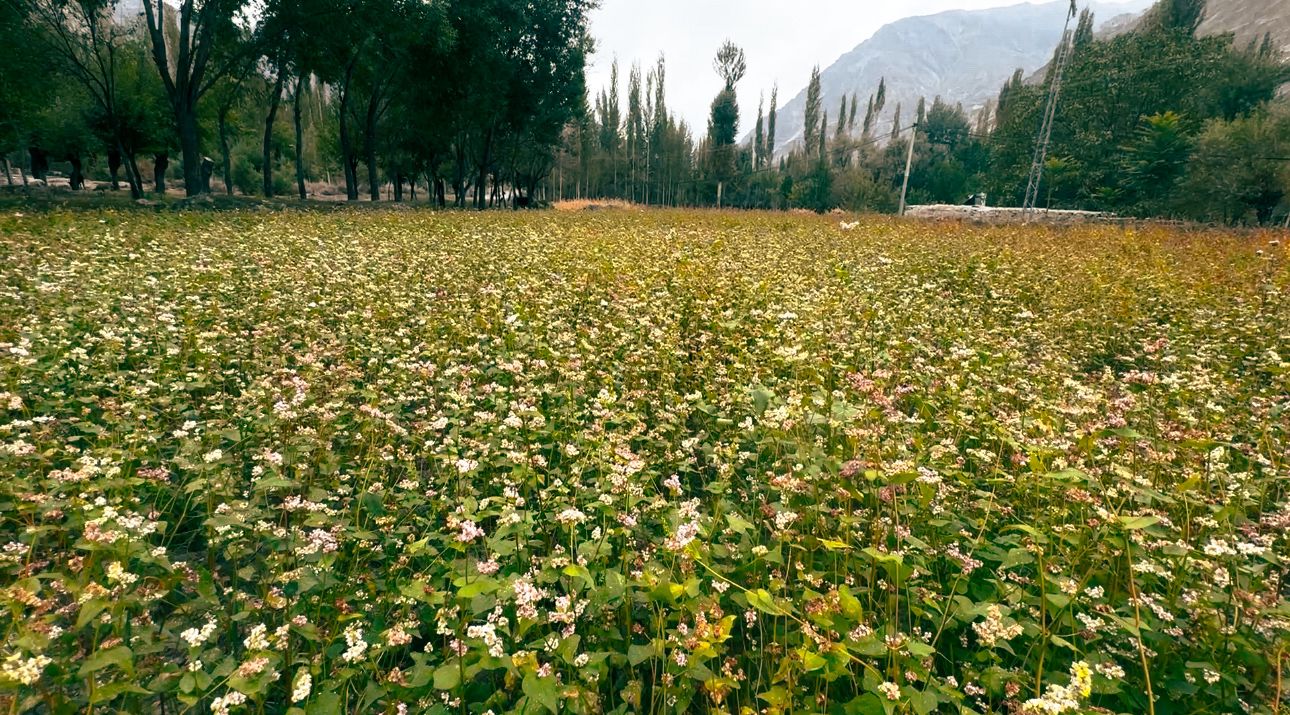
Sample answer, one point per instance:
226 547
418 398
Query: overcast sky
782 38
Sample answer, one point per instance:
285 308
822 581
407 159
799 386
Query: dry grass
593 205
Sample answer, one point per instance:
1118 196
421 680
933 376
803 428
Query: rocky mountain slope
1249 20
961 56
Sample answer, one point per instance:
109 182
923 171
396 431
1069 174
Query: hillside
1249 20
962 56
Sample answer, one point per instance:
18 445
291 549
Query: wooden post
909 163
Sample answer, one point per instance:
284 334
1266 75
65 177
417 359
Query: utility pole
909 164
1064 52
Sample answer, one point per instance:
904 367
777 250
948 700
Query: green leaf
476 588
764 602
545 691
325 703
1134 523
737 523
111 691
119 656
92 608
447 676
1059 600
264 485
867 704
373 693
850 604
1017 557
637 654
924 702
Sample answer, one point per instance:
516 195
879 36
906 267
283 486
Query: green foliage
1154 162
25 83
731 64
1108 121
723 127
1238 173
814 111
1182 16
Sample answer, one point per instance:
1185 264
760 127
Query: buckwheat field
624 462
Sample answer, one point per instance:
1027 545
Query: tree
1110 86
658 131
814 108
723 121
1183 16
1154 162
228 95
25 82
209 44
98 53
611 121
1084 30
1236 174
730 64
770 124
759 135
635 129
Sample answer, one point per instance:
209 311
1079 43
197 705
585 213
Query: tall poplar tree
811 125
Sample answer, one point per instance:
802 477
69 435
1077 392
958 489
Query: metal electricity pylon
1064 52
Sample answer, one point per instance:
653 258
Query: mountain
1246 20
961 56
1249 20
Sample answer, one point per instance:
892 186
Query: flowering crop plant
631 462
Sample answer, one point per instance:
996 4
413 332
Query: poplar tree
759 135
770 124
811 125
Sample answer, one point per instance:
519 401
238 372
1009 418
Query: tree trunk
133 175
348 160
77 178
459 179
481 186
39 163
208 169
114 168
8 171
161 162
224 151
191 149
300 140
398 187
275 99
369 139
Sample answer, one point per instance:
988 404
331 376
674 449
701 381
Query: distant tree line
483 102
1157 122
471 97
